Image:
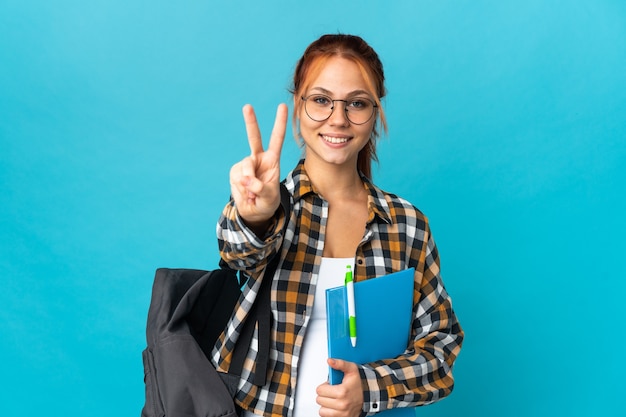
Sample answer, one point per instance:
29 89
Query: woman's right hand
255 181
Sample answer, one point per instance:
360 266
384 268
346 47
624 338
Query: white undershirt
312 366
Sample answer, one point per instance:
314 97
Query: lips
335 139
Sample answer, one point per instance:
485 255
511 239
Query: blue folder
384 308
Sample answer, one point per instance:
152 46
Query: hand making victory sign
255 181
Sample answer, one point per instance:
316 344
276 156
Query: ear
297 106
295 122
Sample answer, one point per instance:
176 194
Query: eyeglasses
320 107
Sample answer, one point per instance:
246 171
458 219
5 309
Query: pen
351 305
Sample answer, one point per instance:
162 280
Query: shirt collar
300 184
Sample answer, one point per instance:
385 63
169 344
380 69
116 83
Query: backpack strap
261 313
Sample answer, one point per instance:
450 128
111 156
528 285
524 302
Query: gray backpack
189 309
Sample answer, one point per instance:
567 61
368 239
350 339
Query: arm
241 247
424 373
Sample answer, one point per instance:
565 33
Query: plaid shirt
397 237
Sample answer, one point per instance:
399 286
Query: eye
359 104
321 100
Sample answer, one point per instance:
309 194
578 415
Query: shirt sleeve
423 374
242 250
240 247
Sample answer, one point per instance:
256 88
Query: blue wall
119 121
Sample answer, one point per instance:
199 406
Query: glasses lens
359 110
318 107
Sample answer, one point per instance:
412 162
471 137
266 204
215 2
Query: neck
334 180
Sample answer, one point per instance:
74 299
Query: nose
339 116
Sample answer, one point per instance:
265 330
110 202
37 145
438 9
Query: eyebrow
350 94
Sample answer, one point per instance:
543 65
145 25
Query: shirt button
360 261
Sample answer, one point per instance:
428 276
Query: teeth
333 139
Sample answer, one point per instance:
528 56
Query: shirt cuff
375 400
277 223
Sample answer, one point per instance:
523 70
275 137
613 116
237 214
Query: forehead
339 76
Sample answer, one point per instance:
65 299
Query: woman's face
336 140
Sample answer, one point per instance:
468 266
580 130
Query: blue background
119 121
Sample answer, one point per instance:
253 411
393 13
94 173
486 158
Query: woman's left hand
345 399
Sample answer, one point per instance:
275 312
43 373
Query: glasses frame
332 109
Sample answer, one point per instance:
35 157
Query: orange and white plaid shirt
397 237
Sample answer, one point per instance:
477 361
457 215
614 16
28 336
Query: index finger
280 127
252 130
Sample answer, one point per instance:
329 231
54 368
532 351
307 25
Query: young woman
338 217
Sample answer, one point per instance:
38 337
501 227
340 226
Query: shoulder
395 209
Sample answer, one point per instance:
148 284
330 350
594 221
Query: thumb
341 365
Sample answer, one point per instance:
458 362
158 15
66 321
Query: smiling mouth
333 139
